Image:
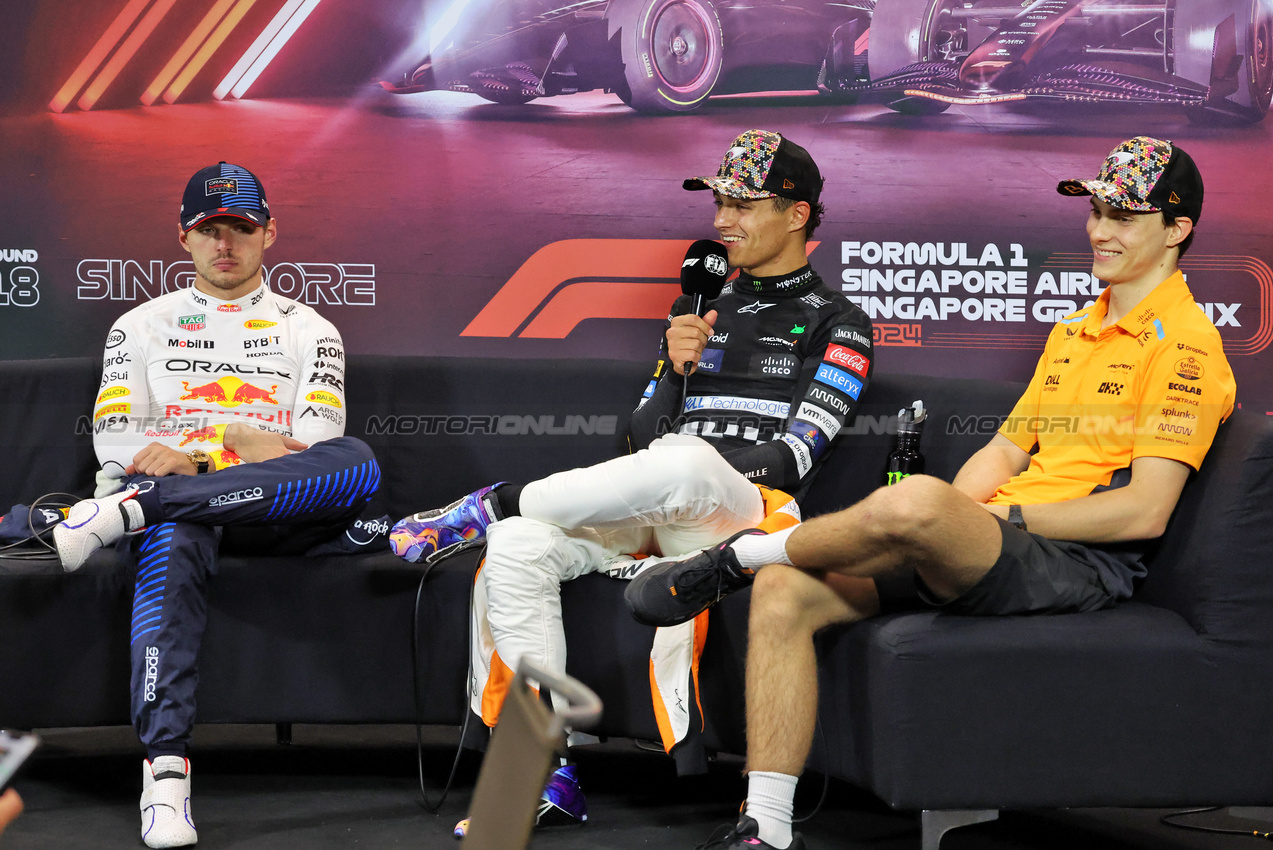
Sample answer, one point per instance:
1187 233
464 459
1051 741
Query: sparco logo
251 494
152 672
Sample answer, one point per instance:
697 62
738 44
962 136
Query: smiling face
1132 248
760 239
227 254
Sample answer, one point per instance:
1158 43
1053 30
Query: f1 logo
564 283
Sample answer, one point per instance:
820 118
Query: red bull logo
229 392
211 434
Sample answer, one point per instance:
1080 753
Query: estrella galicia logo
838 378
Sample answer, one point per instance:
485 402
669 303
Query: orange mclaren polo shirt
1155 384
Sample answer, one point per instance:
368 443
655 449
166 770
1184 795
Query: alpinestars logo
754 308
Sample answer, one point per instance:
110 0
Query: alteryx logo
839 379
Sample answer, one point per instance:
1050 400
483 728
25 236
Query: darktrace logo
1110 388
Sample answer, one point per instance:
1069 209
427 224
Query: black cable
433 808
45 550
826 777
1169 820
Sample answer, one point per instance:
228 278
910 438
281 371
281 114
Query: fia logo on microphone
716 264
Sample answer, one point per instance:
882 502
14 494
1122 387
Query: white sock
755 550
770 799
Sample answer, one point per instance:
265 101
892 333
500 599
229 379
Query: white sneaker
165 803
94 523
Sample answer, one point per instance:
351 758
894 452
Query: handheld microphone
703 273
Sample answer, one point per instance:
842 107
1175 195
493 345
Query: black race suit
783 372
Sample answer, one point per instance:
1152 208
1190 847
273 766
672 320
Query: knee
778 601
899 516
691 466
355 450
518 548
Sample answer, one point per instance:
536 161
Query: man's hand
686 339
255 445
10 808
158 460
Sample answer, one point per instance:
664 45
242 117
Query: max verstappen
220 406
782 361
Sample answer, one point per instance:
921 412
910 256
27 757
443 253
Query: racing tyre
672 52
1191 37
904 32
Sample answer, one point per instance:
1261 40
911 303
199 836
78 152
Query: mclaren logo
565 283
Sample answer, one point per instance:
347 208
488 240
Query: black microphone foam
703 272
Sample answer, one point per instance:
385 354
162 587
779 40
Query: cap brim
258 218
1110 193
728 186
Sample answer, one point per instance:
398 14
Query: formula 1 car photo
1213 58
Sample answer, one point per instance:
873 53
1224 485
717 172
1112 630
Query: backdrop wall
440 223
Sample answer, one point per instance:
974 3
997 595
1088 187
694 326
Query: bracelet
1015 517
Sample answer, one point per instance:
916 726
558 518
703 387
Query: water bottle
905 459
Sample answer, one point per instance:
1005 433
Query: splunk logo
152 673
310 283
565 283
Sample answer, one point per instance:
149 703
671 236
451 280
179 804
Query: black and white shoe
678 591
744 836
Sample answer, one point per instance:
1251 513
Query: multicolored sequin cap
761 164
1145 175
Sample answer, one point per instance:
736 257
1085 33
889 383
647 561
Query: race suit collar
247 303
784 284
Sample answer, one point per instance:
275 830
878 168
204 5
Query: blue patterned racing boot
744 836
431 535
562 803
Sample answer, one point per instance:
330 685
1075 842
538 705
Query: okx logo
567 282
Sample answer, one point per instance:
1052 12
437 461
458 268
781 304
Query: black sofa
1161 702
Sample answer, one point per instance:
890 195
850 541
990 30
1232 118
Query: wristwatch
202 460
1015 517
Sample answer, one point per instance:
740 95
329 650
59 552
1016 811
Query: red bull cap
224 189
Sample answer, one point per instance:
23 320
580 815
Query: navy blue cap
224 189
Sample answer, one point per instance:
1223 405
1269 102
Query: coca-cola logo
847 358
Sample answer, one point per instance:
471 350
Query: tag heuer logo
192 323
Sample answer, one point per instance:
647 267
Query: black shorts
1033 575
